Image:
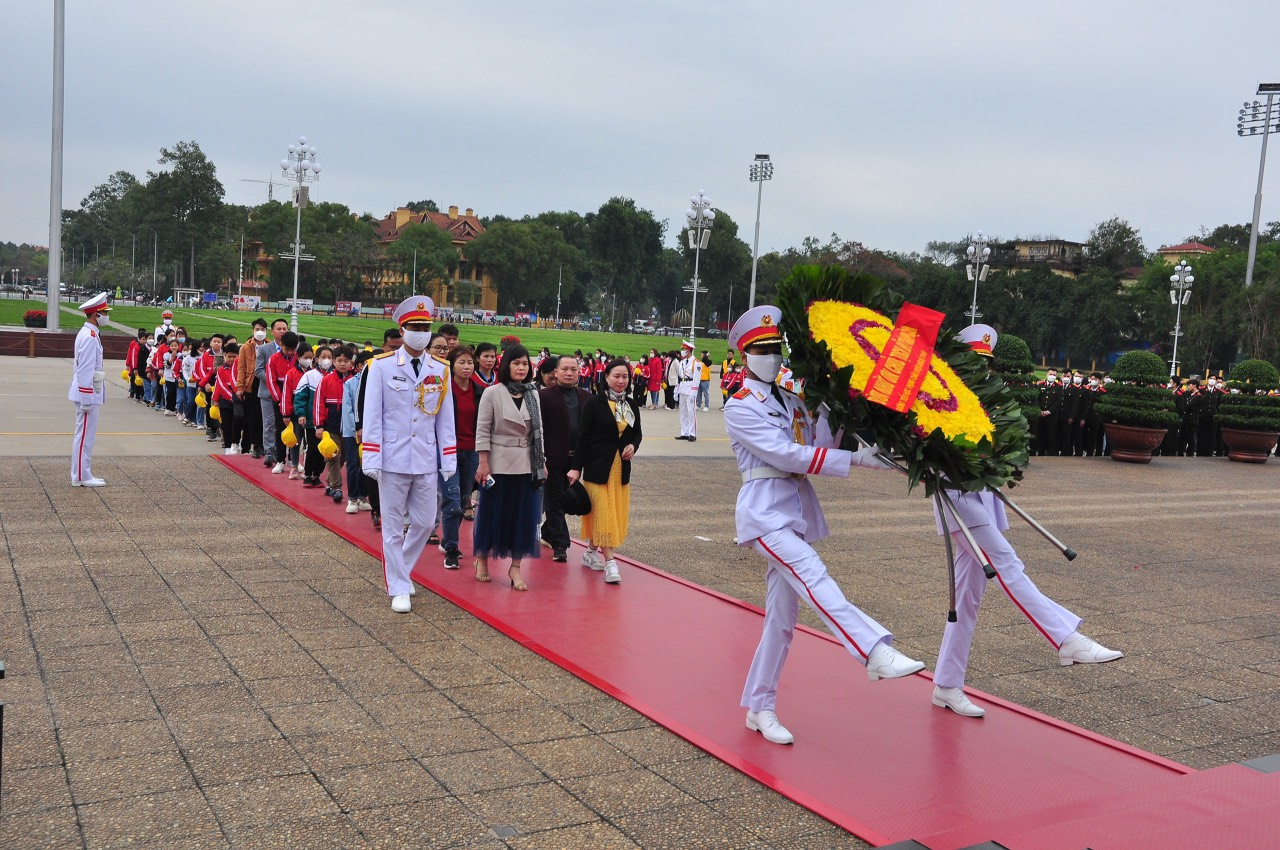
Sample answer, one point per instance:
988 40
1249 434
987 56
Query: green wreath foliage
930 458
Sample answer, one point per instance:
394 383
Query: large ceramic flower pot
1249 446
1132 444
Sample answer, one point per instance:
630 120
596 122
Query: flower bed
35 318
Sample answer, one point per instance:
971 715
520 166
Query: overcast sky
890 123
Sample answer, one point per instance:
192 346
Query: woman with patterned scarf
608 438
511 470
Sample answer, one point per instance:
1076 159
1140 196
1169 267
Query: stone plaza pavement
193 665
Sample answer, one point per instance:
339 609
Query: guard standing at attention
778 444
984 515
408 434
689 377
88 390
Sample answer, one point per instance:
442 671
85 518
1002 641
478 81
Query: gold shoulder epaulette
383 354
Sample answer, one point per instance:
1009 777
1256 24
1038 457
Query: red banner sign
904 362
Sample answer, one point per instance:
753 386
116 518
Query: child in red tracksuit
230 407
730 383
326 414
302 363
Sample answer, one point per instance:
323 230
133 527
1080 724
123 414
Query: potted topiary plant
1013 363
1137 410
1250 414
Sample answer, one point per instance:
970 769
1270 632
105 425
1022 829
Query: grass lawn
201 323
12 309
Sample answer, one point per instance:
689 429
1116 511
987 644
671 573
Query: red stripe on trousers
812 599
1025 612
84 431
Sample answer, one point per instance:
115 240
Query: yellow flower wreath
855 336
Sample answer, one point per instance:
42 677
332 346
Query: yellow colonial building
469 287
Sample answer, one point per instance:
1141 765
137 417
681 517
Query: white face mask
325 364
417 340
305 363
1077 380
259 335
765 366
168 322
1051 378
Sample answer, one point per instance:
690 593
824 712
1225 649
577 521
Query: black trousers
251 424
555 529
232 413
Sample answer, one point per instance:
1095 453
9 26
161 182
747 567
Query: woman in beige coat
511 471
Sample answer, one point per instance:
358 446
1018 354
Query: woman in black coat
608 436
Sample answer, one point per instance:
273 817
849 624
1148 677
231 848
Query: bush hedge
1138 396
1252 403
1013 363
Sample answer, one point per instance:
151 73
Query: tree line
612 265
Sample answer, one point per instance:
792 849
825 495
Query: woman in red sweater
466 408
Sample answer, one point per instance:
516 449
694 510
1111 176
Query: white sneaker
227 451
233 450
401 604
766 723
89 482
592 559
705 408
885 662
364 505
277 469
956 700
1079 649
294 474
352 507
611 572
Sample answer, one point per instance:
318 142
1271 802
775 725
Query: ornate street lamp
699 215
761 170
299 166
976 269
1180 294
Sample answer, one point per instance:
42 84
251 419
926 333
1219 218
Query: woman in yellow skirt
608 436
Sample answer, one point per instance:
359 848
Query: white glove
373 473
99 378
83 408
448 475
869 457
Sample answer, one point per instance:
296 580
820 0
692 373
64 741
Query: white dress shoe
885 662
955 699
89 482
766 723
1079 649
401 604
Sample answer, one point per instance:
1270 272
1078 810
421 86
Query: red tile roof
1187 248
464 228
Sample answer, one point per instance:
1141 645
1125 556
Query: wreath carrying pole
1044 532
951 558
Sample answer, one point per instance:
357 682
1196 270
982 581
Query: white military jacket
777 446
88 365
408 418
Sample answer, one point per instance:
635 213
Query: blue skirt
507 519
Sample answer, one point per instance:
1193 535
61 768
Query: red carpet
878 758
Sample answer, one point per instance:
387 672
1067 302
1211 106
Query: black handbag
574 499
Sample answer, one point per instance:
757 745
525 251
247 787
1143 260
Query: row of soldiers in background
1070 426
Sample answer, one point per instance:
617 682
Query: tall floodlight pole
52 285
699 215
301 162
976 268
1180 294
761 170
1255 119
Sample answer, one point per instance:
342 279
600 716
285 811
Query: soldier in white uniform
408 437
778 444
689 375
984 514
88 391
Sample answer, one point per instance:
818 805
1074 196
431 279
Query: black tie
777 393
416 366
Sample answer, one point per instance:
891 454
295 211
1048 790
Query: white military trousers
1049 618
412 496
82 442
795 572
688 400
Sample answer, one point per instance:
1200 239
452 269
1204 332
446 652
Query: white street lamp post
761 170
976 269
1256 118
301 161
699 215
1180 294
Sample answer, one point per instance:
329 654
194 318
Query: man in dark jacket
562 405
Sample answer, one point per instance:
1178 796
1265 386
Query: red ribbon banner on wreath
904 362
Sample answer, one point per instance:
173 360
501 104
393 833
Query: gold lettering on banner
892 364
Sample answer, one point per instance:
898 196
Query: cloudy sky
890 123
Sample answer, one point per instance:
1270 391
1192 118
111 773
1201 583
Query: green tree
436 255
184 201
1115 244
625 243
423 206
523 259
